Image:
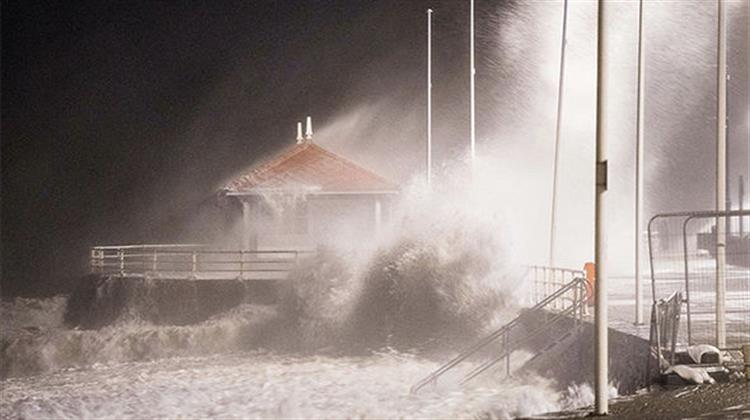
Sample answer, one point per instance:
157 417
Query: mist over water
518 50
441 274
364 318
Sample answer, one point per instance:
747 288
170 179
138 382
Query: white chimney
308 129
299 133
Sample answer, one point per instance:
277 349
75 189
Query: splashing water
264 385
353 329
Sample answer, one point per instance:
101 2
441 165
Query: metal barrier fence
548 280
191 262
685 256
665 324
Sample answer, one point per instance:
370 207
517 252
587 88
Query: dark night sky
120 118
100 99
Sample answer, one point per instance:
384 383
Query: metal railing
191 261
683 256
511 338
663 339
547 280
665 324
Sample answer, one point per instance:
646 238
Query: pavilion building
307 195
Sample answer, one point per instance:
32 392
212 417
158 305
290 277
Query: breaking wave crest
440 274
32 349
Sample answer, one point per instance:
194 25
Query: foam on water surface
267 385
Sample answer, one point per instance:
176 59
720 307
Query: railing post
687 278
556 303
242 264
195 263
539 290
93 262
121 254
583 298
154 262
575 304
507 353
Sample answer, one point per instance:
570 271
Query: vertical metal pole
649 232
507 353
473 72
600 225
378 210
687 279
721 175
122 262
558 125
675 318
741 199
194 262
242 264
639 169
246 224
429 97
575 304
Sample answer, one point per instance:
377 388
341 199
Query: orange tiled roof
307 166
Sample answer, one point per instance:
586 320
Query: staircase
567 302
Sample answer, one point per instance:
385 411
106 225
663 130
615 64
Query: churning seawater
138 370
347 338
264 385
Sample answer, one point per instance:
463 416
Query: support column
428 162
558 128
378 216
721 176
247 228
639 169
472 74
600 235
741 199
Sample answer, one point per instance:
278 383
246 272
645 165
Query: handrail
432 377
506 351
192 261
546 280
142 246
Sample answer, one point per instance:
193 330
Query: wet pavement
717 401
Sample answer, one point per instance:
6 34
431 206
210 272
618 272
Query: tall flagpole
558 125
473 73
639 169
600 224
429 97
721 175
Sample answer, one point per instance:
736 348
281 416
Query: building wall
305 223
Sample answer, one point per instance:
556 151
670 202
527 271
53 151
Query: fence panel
684 258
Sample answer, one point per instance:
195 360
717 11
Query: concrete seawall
103 300
571 360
